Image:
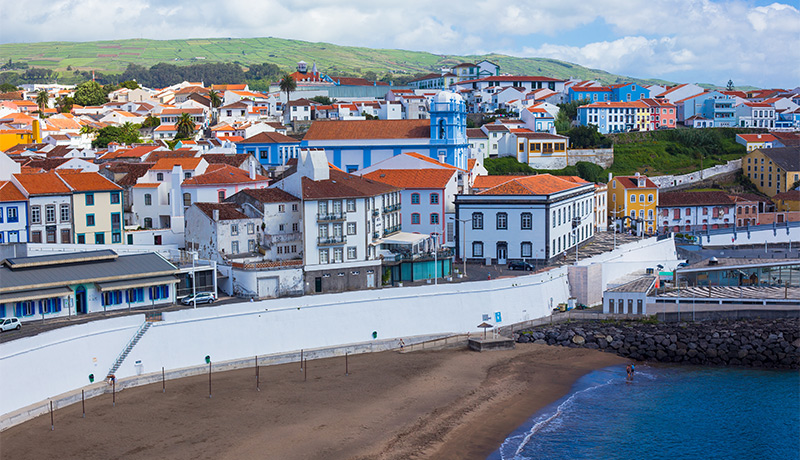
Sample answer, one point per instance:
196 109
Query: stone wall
666 183
602 157
750 343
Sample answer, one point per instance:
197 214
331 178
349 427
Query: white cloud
699 40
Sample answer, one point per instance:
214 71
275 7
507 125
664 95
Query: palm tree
287 85
184 126
42 98
216 101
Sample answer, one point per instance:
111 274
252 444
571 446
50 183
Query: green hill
114 56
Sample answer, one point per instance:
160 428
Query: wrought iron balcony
331 216
330 240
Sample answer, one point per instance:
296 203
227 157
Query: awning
137 282
34 294
405 238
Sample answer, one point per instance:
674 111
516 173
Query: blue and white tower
449 129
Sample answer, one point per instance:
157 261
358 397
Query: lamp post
435 259
463 242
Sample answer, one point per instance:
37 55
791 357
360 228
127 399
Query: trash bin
139 367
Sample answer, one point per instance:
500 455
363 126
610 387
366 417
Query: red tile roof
476 133
369 129
632 182
343 185
87 181
227 211
710 198
10 192
413 178
757 137
138 152
541 184
223 174
270 195
48 183
166 164
486 182
269 138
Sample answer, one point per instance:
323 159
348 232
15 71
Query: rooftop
413 178
369 129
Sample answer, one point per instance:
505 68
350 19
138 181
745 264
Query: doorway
502 253
80 300
318 284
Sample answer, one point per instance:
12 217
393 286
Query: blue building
627 92
13 214
271 148
711 105
353 145
589 93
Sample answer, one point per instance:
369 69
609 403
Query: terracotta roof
48 183
486 182
789 195
48 164
575 179
10 192
369 129
227 211
631 182
223 174
223 158
157 155
133 171
87 181
430 160
166 164
541 184
413 178
476 133
269 138
190 111
471 163
495 128
270 195
511 78
235 105
542 136
146 185
343 185
710 198
757 137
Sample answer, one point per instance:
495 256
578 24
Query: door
502 253
66 238
318 284
267 287
80 300
370 280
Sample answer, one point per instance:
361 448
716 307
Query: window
281 208
187 175
234 247
251 245
89 199
688 211
477 249
294 207
221 196
415 218
148 199
338 255
434 218
641 198
99 238
90 220
148 222
351 252
12 214
135 295
502 221
434 198
323 231
251 228
281 227
650 198
323 256
351 228
351 205
50 213
36 214
187 200
477 221
526 221
633 198
415 198
159 292
114 197
526 249
234 229
159 177
294 227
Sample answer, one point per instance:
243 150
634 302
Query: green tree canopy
7 87
90 93
585 137
151 122
65 104
184 126
287 85
42 98
130 84
123 135
506 165
324 100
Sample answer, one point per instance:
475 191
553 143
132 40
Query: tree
120 134
730 85
7 88
287 85
184 126
151 122
90 93
585 137
213 96
42 98
370 75
130 84
324 100
65 104
591 172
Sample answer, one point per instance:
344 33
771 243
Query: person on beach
633 370
629 370
402 344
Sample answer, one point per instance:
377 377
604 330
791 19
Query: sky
751 42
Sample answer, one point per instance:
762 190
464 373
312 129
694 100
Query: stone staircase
121 358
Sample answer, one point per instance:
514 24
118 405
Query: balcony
375 212
376 235
331 217
390 230
282 238
391 207
330 240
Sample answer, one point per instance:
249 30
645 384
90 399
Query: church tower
449 128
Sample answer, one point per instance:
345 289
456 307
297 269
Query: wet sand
420 405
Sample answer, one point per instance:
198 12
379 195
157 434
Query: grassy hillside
114 56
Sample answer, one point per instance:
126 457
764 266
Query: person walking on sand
629 370
402 344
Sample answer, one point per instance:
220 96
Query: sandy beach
420 405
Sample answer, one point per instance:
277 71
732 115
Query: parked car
200 297
9 324
520 265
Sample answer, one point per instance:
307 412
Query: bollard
257 376
305 371
163 382
346 368
209 378
52 423
114 392
301 360
83 405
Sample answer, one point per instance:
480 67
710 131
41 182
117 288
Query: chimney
216 215
252 168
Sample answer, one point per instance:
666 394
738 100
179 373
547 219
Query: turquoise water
669 413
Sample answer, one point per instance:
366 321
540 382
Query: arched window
434 218
159 177
434 198
415 218
415 198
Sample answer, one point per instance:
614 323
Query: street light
463 242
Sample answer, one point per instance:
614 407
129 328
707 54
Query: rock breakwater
749 343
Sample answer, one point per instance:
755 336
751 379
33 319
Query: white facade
220 239
601 208
692 217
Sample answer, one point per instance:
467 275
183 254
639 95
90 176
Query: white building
281 221
693 211
50 207
221 232
344 219
532 218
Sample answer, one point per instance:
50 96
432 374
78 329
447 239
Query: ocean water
669 413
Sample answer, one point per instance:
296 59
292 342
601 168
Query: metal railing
391 207
329 240
331 216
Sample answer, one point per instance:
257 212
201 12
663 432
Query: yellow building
632 202
12 137
540 149
96 206
774 170
788 201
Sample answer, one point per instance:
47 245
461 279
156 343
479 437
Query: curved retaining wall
752 343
